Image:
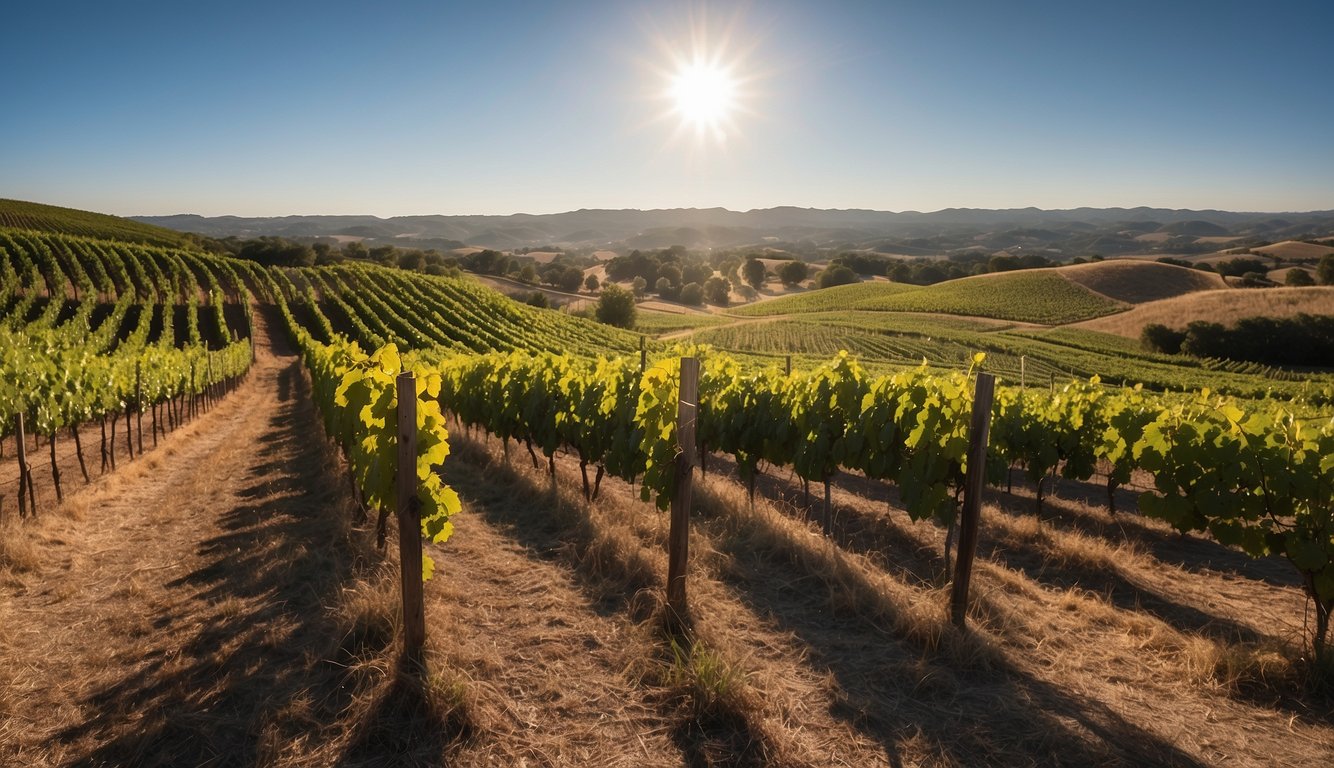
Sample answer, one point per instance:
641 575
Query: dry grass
1295 250
19 553
1224 306
1138 282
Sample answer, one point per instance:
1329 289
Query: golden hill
1221 306
1294 250
1138 282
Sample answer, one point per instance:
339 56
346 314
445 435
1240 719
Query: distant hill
1137 282
1059 233
1223 306
70 221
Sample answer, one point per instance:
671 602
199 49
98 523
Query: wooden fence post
678 538
25 478
139 402
972 495
409 519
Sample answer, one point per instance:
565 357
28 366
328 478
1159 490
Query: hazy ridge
1093 230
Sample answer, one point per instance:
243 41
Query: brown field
1280 275
1292 250
542 257
216 602
1137 282
1222 306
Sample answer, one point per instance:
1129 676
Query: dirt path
557 666
177 612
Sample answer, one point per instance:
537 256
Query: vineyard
535 439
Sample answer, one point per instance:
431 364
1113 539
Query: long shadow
877 535
525 509
613 581
1190 552
263 669
895 690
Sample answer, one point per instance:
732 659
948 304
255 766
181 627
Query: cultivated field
214 592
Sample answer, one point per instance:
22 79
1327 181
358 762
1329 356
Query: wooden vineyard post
25 477
678 538
409 519
787 367
972 494
139 402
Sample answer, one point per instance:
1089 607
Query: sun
704 95
706 82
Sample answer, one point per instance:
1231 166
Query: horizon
420 109
1127 208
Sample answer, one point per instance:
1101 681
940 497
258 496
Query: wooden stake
972 499
139 403
678 538
55 468
25 478
129 433
409 520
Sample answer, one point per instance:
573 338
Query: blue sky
501 107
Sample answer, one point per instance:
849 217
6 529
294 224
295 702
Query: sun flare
704 95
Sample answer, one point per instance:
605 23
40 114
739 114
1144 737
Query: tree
412 260
616 306
538 299
1325 269
640 285
793 272
1159 338
837 276
591 283
664 288
728 267
671 273
570 279
355 249
528 274
696 272
753 272
716 290
1298 277
692 294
